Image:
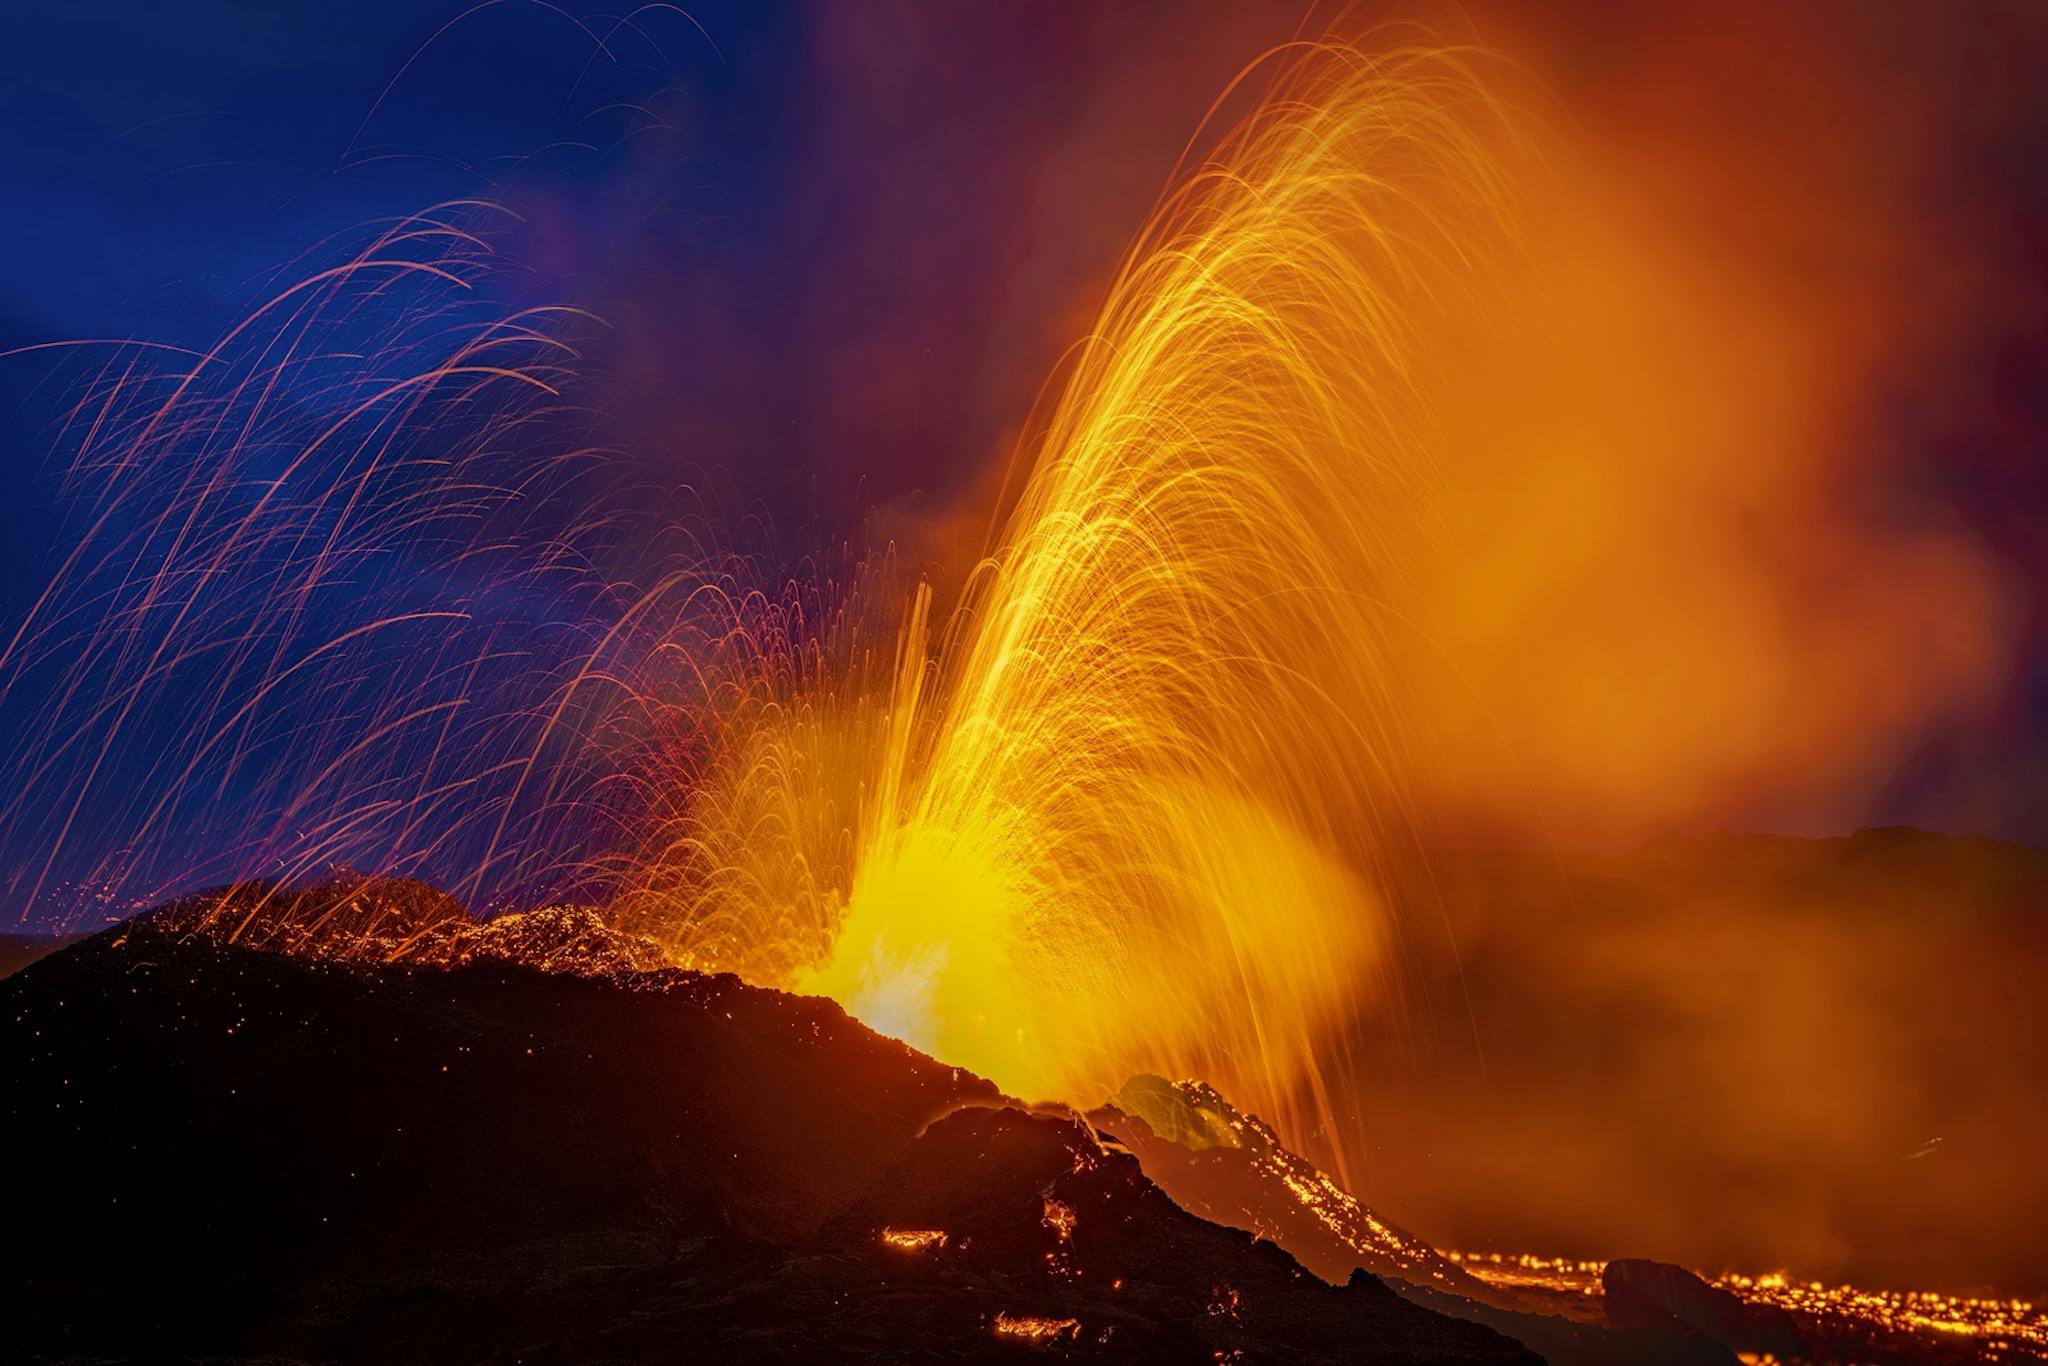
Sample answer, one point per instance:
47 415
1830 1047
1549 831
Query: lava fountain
1124 811
1120 806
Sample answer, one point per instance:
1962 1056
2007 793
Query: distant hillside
1830 1046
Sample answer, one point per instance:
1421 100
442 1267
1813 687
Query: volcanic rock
572 939
312 1154
1215 1161
1041 1222
351 918
1644 1294
17 951
345 917
1231 1167
1569 1342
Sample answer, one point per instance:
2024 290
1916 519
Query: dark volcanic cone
1039 1222
353 918
308 1155
347 917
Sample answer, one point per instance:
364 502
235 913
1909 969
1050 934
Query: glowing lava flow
1124 815
1863 1321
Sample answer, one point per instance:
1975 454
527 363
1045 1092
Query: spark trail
1124 812
354 586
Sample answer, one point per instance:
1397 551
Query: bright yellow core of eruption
923 954
1127 812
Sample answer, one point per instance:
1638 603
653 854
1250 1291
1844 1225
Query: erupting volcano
1125 814
1002 929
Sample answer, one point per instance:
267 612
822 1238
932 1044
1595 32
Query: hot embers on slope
312 1154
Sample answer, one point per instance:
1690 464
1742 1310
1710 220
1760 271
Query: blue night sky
839 247
823 187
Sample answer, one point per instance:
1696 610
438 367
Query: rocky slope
230 1152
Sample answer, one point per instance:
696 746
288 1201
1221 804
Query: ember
1030 1328
914 1239
1059 1217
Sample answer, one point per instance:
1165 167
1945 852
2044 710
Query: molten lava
1123 813
913 1239
1117 805
1034 1328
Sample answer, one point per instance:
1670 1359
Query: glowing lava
1115 807
1124 814
1895 1320
913 1239
1035 1328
